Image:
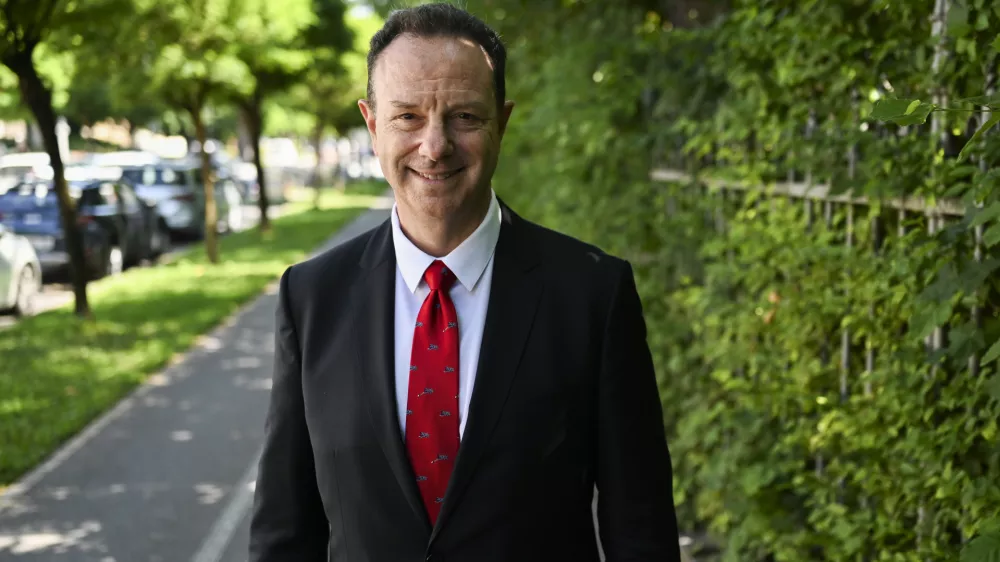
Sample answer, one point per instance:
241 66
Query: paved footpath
168 474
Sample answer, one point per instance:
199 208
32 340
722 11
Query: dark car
32 210
135 227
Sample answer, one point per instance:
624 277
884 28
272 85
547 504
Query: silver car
20 273
177 192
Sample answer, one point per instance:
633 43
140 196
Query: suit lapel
374 317
511 310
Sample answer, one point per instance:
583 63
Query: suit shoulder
330 264
571 254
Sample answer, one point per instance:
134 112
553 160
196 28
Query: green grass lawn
57 373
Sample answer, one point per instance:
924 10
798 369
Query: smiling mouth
437 177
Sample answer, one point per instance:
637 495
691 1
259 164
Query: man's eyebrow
474 105
403 104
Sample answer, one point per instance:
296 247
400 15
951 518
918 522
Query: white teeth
436 177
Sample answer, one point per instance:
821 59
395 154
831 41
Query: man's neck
437 237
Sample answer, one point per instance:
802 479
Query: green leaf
974 275
992 99
993 387
993 120
983 22
902 111
992 236
930 317
958 20
984 548
985 214
960 172
992 353
886 109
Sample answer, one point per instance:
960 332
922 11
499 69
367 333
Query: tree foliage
327 94
195 52
272 49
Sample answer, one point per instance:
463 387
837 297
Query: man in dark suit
453 384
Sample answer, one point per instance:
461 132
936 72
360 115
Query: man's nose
436 143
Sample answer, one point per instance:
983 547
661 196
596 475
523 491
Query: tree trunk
39 99
211 213
317 141
255 122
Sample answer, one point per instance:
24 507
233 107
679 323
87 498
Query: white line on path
229 521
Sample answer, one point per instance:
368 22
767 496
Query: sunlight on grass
57 373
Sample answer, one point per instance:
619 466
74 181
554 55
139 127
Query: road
167 475
57 291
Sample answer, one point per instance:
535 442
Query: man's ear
368 112
504 116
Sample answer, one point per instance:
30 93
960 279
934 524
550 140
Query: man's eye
407 116
466 116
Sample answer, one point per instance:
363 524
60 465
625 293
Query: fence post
845 340
808 179
877 241
977 252
845 337
940 98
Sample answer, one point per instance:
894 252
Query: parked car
245 176
21 166
123 158
31 210
20 273
176 190
135 227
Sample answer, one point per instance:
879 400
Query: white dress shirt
472 264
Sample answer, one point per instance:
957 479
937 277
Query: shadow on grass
58 373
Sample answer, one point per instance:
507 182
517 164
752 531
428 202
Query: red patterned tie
432 401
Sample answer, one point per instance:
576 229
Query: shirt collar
468 261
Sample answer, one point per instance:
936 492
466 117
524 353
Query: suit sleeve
636 515
288 521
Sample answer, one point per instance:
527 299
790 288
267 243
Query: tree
11 107
25 26
328 91
271 47
93 96
192 61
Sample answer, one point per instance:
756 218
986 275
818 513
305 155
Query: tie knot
438 276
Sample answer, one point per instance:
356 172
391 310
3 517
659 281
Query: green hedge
782 450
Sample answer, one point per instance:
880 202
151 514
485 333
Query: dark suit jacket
565 398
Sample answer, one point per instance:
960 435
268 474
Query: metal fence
820 203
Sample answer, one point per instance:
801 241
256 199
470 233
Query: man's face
435 125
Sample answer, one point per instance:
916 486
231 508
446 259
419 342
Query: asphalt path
168 474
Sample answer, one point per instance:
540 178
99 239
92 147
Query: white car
20 273
20 166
